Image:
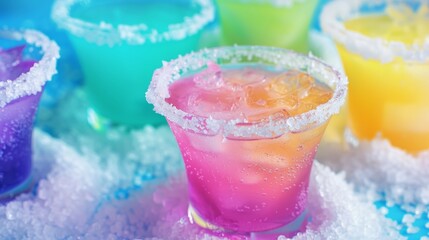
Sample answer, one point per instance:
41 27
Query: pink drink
247 158
235 187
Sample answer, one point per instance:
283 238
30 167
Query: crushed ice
381 173
118 185
75 196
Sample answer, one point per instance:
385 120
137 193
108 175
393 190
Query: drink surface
249 92
248 185
117 76
390 98
11 63
154 14
266 24
398 23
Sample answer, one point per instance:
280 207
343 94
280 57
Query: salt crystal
378 165
9 214
419 209
388 172
384 210
412 230
408 219
36 75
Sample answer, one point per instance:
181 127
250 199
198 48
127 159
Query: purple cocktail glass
27 60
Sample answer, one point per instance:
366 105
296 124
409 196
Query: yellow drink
389 76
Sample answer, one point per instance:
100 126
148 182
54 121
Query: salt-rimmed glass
389 87
277 23
120 43
19 99
237 172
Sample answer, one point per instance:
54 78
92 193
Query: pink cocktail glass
245 175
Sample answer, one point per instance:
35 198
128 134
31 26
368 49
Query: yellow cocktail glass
384 47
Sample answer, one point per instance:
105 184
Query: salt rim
277 3
385 51
271 127
31 82
106 33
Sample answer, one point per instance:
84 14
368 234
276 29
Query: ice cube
210 78
292 81
260 96
245 76
220 104
289 103
315 96
257 97
282 91
400 13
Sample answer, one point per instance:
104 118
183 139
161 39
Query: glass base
6 196
288 230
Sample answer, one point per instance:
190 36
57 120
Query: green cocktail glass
279 23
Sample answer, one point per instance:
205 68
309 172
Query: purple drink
16 124
21 85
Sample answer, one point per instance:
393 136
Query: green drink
120 43
280 23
